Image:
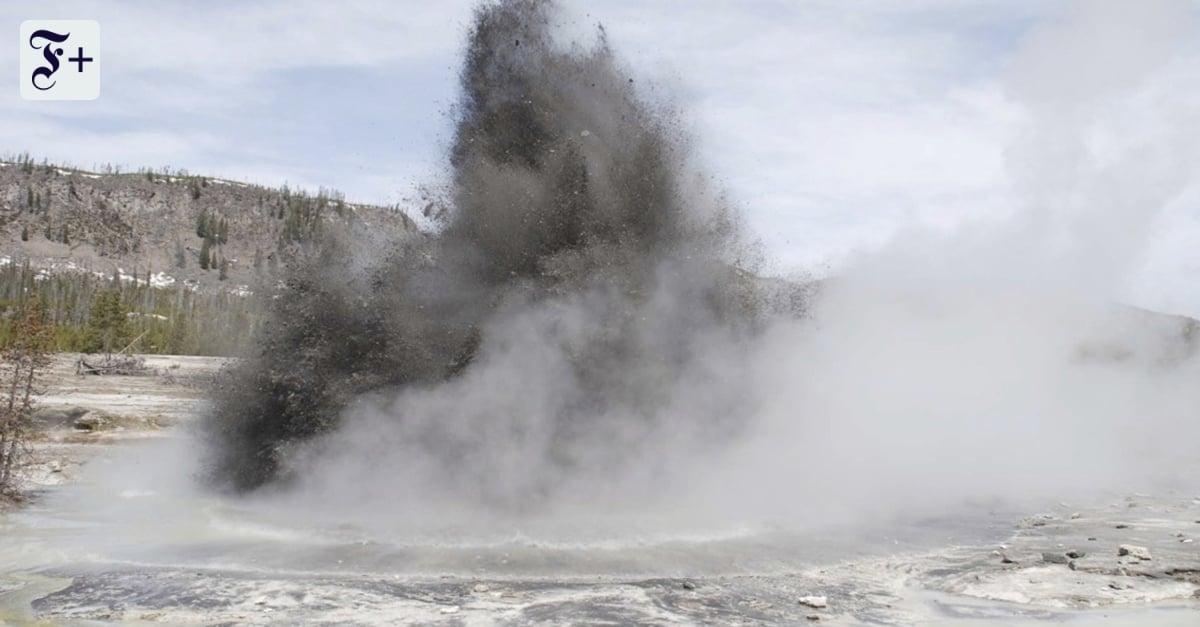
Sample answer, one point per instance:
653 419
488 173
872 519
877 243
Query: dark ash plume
570 234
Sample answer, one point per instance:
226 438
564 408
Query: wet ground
115 541
93 552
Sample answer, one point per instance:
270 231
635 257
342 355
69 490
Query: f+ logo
45 43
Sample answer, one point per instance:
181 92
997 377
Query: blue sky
838 126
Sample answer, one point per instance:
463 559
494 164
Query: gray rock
817 602
481 587
1054 558
1076 554
687 585
1137 552
91 421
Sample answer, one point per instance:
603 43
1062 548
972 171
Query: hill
177 249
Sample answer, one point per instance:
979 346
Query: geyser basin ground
121 546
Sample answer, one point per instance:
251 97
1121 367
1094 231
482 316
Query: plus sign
80 59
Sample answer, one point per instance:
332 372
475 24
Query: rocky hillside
204 232
154 262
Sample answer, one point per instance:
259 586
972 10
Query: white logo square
60 59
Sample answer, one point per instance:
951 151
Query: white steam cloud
991 363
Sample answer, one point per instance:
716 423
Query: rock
1054 558
817 602
687 585
91 421
1196 594
481 587
451 609
1186 540
813 617
1071 565
1091 538
1075 516
1005 559
1122 526
1076 554
1137 552
50 417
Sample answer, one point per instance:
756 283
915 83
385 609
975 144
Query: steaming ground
574 397
125 545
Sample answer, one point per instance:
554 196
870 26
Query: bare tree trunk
20 361
6 434
14 423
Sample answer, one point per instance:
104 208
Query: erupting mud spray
571 332
584 333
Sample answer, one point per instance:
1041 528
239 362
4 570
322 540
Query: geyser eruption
564 330
580 333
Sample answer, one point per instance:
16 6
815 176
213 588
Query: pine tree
25 233
204 253
108 323
224 272
202 224
177 341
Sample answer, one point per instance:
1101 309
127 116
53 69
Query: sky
836 126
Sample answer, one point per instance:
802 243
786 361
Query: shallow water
125 511
134 540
